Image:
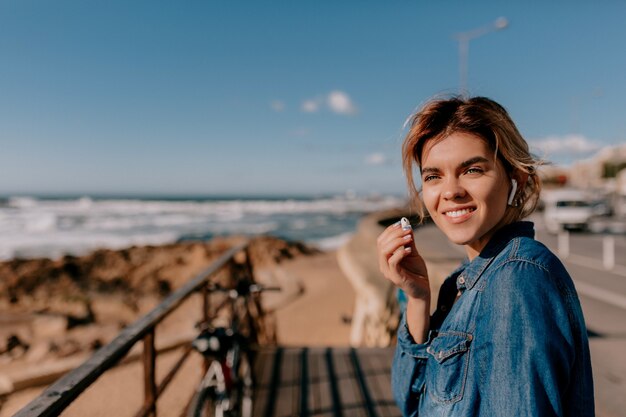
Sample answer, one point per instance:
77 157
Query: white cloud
336 101
277 105
339 102
567 144
376 159
310 106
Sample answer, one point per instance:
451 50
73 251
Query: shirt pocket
447 371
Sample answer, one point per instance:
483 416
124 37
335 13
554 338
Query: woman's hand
400 262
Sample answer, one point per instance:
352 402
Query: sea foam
33 227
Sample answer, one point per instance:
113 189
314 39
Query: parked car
567 209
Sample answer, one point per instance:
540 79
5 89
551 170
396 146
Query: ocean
36 226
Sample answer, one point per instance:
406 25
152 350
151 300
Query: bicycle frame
228 381
222 349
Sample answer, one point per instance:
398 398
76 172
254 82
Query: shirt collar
474 269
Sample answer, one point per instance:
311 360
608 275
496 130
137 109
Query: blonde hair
486 119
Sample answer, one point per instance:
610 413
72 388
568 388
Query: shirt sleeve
408 370
527 353
409 362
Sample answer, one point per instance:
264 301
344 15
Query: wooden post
206 305
249 269
255 318
149 364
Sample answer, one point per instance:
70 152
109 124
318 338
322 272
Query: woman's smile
459 214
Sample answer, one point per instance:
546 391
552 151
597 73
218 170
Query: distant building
597 172
554 176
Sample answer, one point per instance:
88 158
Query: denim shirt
513 344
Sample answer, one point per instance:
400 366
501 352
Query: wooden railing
60 394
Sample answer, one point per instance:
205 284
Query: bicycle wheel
245 388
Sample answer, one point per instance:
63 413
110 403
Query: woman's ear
521 178
518 182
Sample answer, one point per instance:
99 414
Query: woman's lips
459 215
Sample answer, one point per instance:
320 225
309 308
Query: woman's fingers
392 237
397 256
389 245
394 244
400 262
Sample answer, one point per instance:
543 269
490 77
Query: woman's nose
453 190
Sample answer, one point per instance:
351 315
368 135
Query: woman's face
464 189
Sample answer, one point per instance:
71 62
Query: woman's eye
474 170
429 178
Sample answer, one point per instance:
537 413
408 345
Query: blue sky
256 97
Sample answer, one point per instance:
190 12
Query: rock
65 348
13 343
37 352
14 348
88 318
48 326
6 385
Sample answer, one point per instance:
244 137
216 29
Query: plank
324 382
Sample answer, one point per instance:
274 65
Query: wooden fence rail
60 395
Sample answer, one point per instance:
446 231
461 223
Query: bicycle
226 390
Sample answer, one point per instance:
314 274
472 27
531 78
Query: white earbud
513 191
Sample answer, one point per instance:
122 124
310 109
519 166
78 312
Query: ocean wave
224 207
31 226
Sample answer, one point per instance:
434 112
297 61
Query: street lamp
465 37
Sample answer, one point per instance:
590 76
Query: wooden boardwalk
324 382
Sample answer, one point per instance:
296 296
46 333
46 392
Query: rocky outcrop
52 309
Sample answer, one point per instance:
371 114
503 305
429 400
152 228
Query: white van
567 209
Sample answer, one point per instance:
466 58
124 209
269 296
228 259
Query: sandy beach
320 317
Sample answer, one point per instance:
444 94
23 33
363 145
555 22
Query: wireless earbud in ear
513 191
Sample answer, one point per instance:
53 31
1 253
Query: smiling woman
508 336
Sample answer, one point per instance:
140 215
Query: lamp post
464 39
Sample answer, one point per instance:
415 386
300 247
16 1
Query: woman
508 336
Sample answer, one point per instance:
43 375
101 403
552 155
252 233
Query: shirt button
444 308
461 280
